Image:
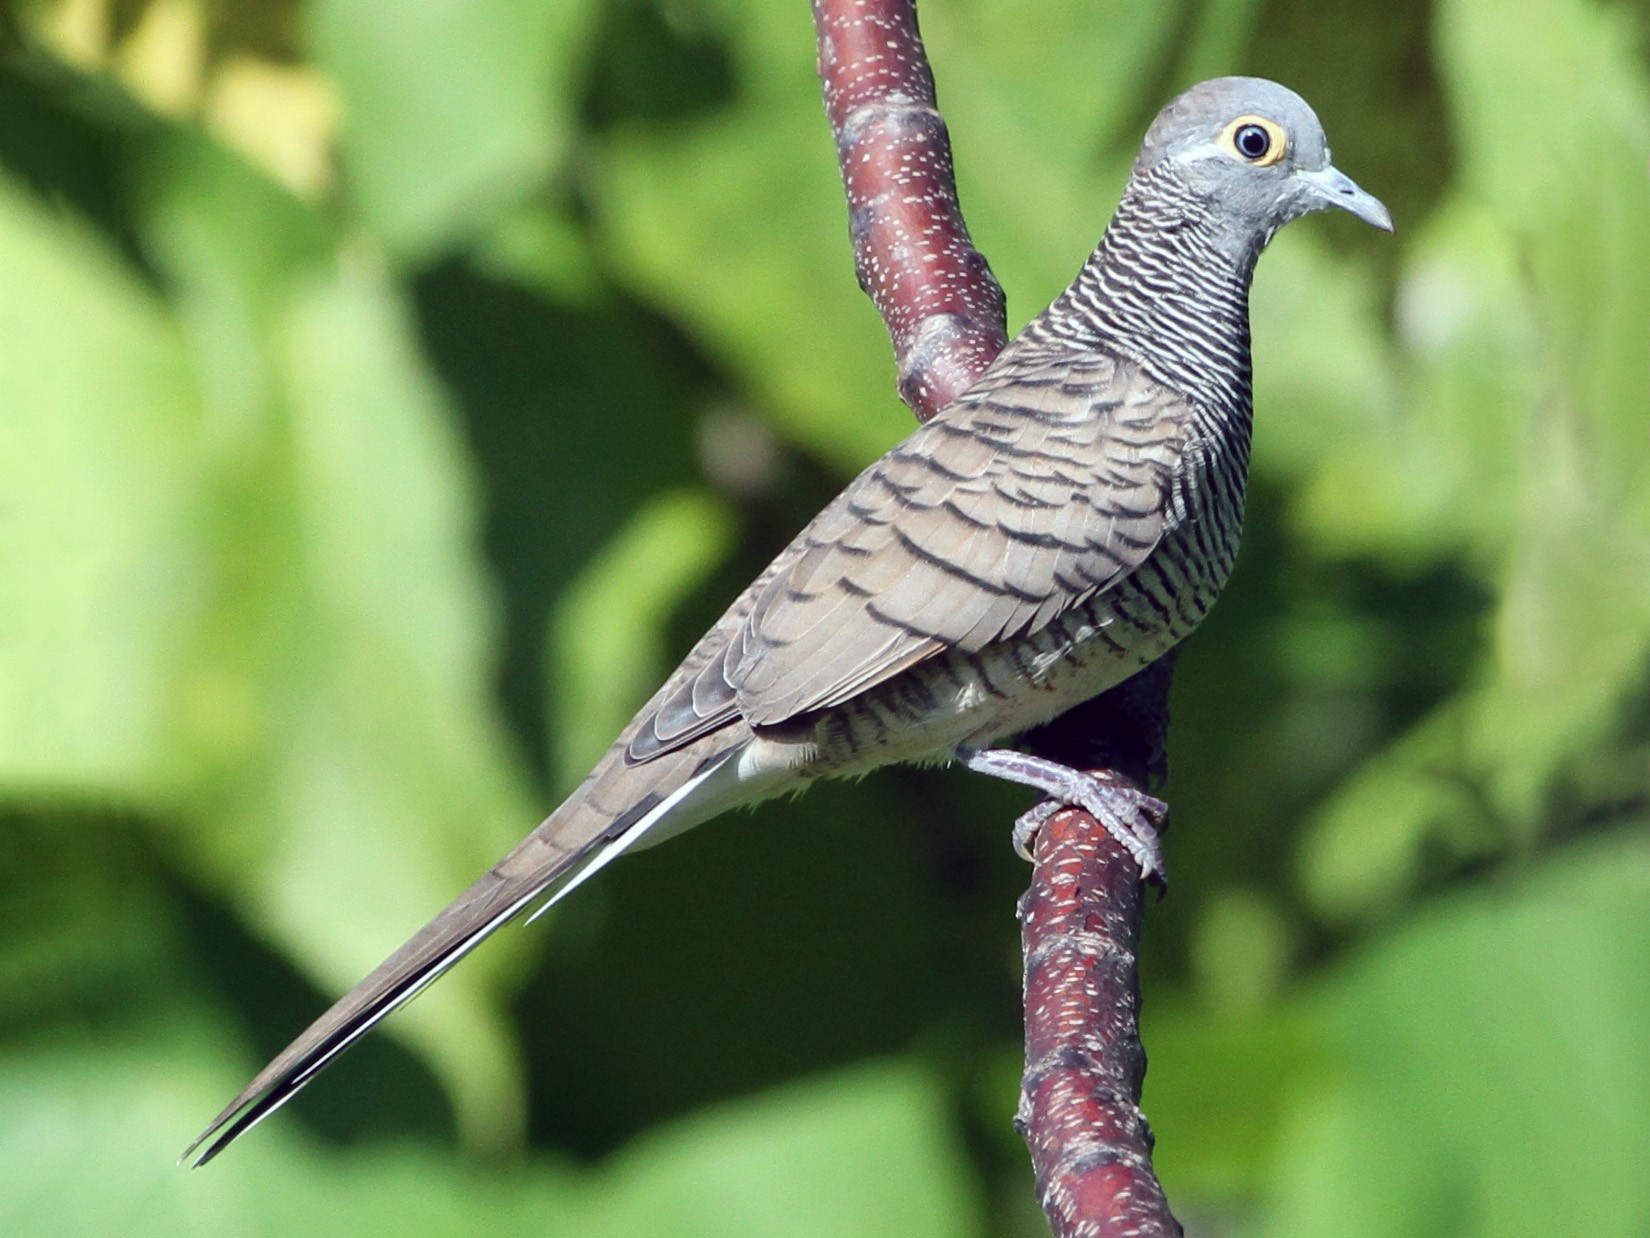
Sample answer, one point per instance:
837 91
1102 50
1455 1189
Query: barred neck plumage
1167 290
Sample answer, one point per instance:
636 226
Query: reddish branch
1080 919
943 308
1090 1145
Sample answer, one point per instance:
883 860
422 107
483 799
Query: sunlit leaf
1494 1079
452 110
101 544
348 772
90 1138
384 722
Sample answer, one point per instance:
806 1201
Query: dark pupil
1253 141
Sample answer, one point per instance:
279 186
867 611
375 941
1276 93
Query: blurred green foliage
386 398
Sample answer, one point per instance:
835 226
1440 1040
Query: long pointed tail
578 838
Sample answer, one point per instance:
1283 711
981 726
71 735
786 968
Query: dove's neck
1166 289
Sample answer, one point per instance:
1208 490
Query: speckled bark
942 306
1079 1099
1080 919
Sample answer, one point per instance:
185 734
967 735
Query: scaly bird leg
1122 810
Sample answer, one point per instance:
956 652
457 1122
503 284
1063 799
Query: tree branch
942 306
1079 927
1079 1107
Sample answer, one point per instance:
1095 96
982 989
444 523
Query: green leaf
1326 393
1032 118
1491 1066
1579 207
90 1133
1364 847
1515 437
453 110
736 221
385 786
1217 1090
736 224
101 539
866 1152
344 771
1573 632
607 637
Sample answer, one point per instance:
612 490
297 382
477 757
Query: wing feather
1047 483
1025 498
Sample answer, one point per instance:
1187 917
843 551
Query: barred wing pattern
1048 483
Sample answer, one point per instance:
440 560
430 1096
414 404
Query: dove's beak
1336 188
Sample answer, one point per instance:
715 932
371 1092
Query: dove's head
1255 153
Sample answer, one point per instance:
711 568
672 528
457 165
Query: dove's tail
576 840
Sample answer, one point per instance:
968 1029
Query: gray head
1254 150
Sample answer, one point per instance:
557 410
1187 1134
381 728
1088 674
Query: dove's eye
1255 140
1252 141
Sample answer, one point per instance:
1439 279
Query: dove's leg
1115 807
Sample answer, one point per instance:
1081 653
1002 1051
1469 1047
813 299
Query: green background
388 393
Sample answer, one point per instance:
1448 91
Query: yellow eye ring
1255 140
